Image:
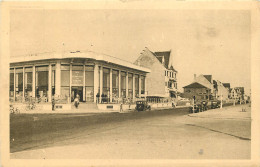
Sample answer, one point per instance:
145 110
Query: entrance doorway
77 90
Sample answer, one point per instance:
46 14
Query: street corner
230 112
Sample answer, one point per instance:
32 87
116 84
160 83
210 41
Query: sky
215 42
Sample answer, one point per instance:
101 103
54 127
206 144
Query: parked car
142 106
215 104
204 105
197 108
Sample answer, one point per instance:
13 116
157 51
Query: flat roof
77 54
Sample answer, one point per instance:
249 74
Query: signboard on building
77 77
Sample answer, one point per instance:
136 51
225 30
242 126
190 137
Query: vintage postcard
130 83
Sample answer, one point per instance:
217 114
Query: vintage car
197 108
204 105
142 106
215 104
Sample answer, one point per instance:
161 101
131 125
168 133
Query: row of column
33 82
98 79
110 84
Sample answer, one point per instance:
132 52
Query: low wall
161 105
23 107
61 107
115 107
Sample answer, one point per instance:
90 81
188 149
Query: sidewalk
230 112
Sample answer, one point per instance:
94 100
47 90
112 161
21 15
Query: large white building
63 75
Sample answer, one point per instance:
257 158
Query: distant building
162 80
233 94
227 85
204 87
201 88
221 90
238 93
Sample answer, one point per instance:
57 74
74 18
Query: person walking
76 101
53 103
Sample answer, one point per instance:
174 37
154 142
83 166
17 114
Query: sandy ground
214 134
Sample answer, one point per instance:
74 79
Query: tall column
110 85
33 81
23 84
96 84
119 84
126 85
70 95
58 79
49 84
139 85
84 83
101 83
133 86
14 84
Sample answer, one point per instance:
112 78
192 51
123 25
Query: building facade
221 92
93 76
205 88
202 88
237 93
162 80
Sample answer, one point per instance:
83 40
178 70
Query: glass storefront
53 79
78 85
42 83
89 83
136 85
19 84
65 82
11 89
115 84
130 85
28 82
123 84
106 82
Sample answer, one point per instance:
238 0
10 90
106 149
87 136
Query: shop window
65 82
89 94
136 85
65 78
19 84
53 80
77 75
130 85
106 82
28 84
42 84
89 83
11 88
123 84
115 83
65 93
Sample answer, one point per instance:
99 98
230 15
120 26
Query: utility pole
193 105
193 100
221 99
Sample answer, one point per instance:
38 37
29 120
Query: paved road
167 136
